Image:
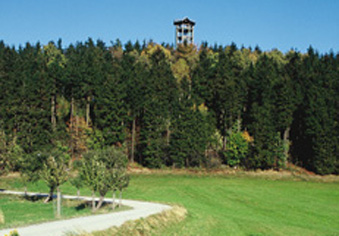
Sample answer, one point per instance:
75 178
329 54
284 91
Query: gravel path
87 223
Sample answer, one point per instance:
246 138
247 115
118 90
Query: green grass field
20 211
244 206
230 205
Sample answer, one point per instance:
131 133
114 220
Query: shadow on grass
33 198
82 206
88 204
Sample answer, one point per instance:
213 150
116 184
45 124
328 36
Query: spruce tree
267 151
160 92
319 115
191 132
110 110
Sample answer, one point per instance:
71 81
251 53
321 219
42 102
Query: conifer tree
160 94
191 132
135 74
229 91
110 111
267 151
319 106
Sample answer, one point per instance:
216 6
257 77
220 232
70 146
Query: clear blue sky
282 24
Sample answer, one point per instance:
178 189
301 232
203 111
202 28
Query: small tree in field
78 183
89 174
123 181
101 170
30 167
55 173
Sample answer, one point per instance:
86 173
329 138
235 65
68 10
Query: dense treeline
171 106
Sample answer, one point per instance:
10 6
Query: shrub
236 149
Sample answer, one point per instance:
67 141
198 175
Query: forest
183 106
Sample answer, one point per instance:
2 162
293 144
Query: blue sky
281 24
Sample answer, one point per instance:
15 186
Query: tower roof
184 21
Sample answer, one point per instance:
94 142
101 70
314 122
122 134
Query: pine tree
55 63
110 110
72 87
191 132
267 151
229 91
30 109
135 73
155 128
319 119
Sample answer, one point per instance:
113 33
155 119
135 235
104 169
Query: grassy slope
235 205
244 206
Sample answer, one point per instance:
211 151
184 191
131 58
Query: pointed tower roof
184 21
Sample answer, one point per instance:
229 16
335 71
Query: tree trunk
120 199
72 112
224 142
88 107
58 202
25 190
78 193
101 200
77 125
76 143
71 125
168 134
286 142
93 202
133 140
113 200
50 196
53 112
287 133
239 122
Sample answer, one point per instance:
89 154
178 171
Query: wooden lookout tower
184 31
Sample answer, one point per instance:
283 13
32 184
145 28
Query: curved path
87 223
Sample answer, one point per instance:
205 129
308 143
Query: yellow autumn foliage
247 136
152 48
180 70
203 108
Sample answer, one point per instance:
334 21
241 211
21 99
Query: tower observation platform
184 31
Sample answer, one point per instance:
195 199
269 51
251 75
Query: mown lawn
244 206
230 205
21 211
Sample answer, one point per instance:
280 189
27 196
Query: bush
236 149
